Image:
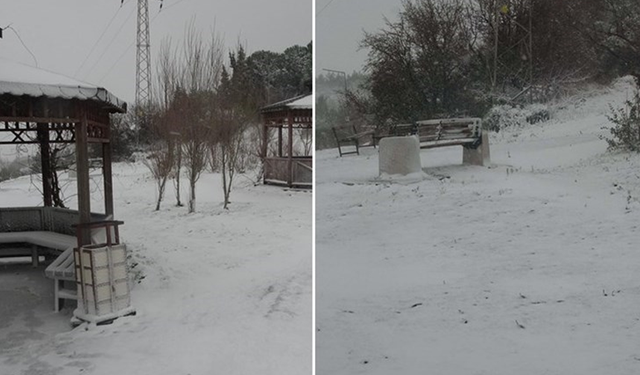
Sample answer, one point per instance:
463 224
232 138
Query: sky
340 26
62 33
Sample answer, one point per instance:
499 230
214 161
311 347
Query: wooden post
45 164
82 165
290 121
265 140
107 177
280 141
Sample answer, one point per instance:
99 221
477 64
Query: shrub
506 116
625 133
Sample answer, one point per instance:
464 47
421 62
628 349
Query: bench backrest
441 129
52 219
449 129
343 132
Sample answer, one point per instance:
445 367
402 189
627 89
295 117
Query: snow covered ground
223 292
527 267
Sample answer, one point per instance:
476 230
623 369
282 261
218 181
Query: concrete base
399 155
477 156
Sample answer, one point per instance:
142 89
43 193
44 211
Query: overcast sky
61 33
339 30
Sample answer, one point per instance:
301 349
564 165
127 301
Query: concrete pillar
478 156
399 155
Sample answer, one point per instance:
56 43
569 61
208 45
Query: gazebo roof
298 102
18 79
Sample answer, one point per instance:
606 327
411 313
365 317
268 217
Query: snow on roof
302 103
20 79
298 102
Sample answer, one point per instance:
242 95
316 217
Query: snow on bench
60 270
50 240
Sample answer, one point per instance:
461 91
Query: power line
110 43
125 52
22 42
99 39
172 5
323 8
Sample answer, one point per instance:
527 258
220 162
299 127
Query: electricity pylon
143 60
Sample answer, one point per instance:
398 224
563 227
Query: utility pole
503 52
143 60
344 74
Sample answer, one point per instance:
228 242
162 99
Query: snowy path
431 276
224 292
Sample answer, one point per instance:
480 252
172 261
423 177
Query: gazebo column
107 178
280 140
290 123
45 164
82 165
265 140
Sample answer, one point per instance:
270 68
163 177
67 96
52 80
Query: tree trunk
224 177
177 181
161 186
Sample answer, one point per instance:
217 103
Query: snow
302 103
20 79
527 267
224 292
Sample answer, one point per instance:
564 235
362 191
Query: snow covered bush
507 116
625 133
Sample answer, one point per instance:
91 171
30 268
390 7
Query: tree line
460 57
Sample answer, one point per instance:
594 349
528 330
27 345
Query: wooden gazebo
42 108
291 165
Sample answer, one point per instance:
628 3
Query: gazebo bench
61 269
36 239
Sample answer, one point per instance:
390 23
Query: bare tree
189 75
160 164
232 149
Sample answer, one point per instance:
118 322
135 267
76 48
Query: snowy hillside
527 267
222 292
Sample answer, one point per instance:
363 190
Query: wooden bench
465 132
58 270
349 136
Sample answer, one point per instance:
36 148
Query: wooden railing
295 172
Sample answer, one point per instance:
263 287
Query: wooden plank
290 123
447 143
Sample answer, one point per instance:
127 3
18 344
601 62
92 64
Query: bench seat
61 269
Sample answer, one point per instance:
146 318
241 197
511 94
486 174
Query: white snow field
531 266
224 292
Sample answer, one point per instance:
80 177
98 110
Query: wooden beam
82 165
265 140
290 177
47 120
280 141
107 178
45 163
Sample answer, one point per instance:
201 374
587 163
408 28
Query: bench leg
34 256
58 303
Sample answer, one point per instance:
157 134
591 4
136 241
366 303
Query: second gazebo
288 157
